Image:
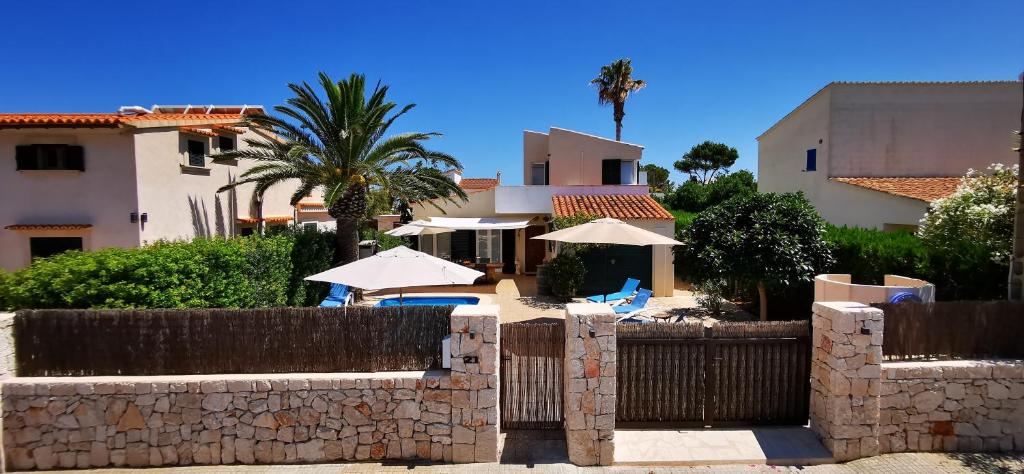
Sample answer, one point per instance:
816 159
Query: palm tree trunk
619 113
346 245
762 296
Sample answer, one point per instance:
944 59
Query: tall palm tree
336 142
614 85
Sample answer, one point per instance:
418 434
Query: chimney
454 174
499 177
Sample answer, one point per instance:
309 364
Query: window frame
811 160
189 155
33 239
49 157
221 140
487 250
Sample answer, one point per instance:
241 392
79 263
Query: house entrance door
534 248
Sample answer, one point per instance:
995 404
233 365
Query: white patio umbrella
608 231
416 228
399 267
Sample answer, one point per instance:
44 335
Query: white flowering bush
979 214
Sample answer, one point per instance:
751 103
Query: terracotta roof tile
478 184
105 120
225 128
269 219
198 131
311 206
108 120
48 226
922 189
618 206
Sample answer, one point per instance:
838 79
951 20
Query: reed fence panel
532 378
215 341
728 374
953 330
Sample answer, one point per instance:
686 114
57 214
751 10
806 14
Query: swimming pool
429 301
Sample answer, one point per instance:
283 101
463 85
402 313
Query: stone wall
845 378
6 345
590 369
450 416
952 406
475 384
861 407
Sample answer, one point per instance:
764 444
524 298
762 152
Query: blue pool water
429 301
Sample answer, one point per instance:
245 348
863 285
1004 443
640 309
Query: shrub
980 213
771 240
710 295
689 196
566 274
212 273
868 255
694 196
312 253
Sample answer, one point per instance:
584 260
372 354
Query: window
42 247
444 245
196 153
628 173
812 160
427 244
247 231
539 173
611 171
488 246
309 225
225 144
50 157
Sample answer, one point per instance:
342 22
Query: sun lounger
638 304
340 295
627 290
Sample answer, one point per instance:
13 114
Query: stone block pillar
590 365
474 376
846 378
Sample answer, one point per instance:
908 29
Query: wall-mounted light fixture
592 333
134 217
145 217
472 334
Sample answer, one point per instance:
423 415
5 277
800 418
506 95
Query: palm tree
336 142
614 85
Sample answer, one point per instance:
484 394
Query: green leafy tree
980 212
706 160
766 239
336 140
694 196
657 178
566 272
614 85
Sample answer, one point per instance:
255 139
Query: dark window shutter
611 171
75 158
812 160
26 157
547 173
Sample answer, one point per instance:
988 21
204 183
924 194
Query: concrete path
779 446
907 463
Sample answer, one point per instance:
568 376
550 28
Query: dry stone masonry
846 378
862 407
952 406
590 367
87 422
474 402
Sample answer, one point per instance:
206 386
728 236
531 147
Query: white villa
876 154
566 173
124 179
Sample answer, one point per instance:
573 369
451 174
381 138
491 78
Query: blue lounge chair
627 290
340 295
638 303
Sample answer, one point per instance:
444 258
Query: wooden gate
732 374
532 355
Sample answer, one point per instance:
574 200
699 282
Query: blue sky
481 72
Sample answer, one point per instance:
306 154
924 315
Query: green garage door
608 268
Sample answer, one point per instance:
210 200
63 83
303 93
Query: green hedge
242 272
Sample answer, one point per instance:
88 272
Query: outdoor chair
627 290
340 295
638 304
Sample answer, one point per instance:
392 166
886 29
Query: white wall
535 150
576 157
922 129
182 202
104 195
886 130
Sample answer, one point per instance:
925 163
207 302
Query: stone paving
906 463
773 445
